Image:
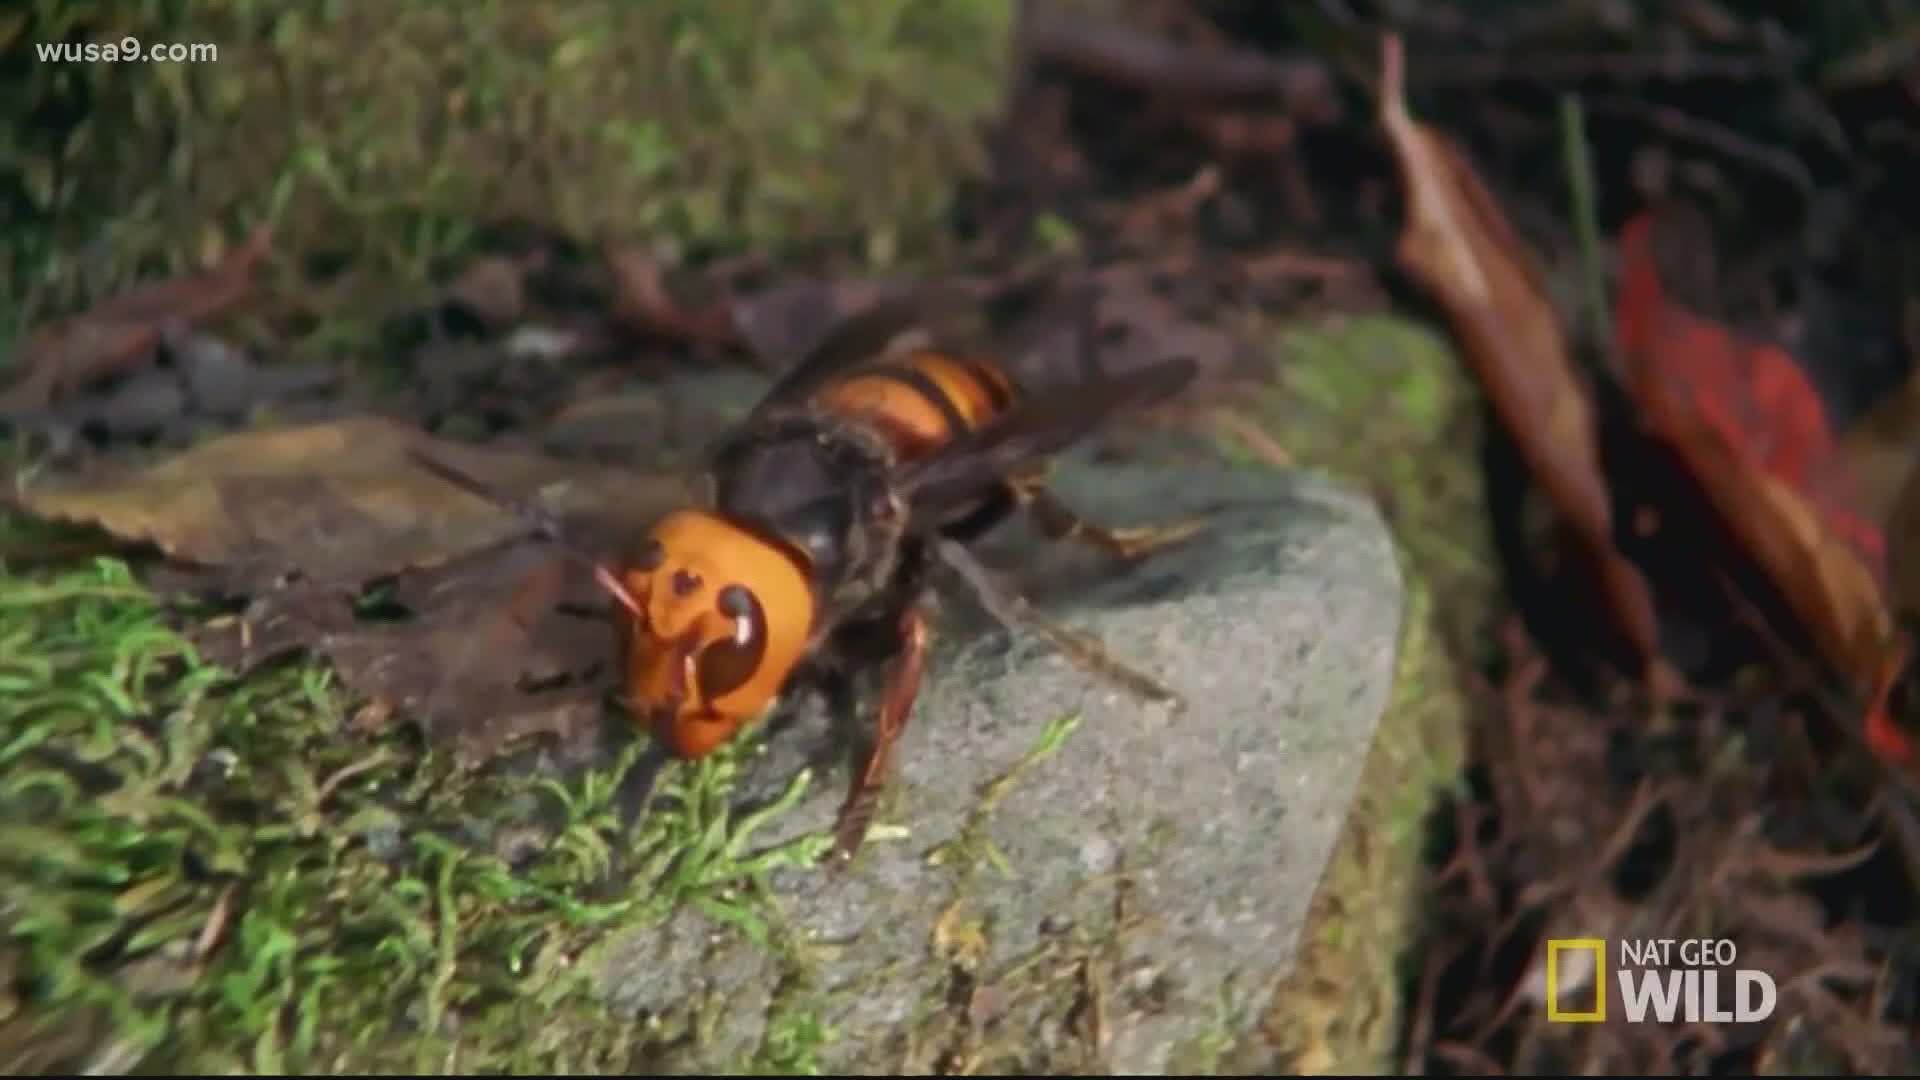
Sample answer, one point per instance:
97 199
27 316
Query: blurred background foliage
379 139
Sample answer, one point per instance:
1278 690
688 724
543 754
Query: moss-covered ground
204 875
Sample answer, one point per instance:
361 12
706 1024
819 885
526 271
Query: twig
1807 676
1420 1034
1586 219
1290 264
347 772
1263 445
1117 53
1459 69
1679 125
214 930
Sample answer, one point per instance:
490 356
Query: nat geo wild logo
1693 980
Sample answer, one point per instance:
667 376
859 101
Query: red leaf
1754 432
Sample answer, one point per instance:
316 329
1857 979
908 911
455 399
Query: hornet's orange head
717 619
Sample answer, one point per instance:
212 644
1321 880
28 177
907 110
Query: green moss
794 1037
380 137
1207 1051
973 847
209 875
1383 403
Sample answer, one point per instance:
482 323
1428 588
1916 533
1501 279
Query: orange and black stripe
921 402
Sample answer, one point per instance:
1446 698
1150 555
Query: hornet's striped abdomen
919 402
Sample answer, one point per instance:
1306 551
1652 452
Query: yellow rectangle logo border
1596 946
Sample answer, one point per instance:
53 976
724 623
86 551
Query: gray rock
1127 902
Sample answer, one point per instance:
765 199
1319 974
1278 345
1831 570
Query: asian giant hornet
806 553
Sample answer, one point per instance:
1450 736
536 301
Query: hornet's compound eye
727 663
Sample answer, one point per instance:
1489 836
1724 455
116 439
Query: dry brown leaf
122 331
645 302
477 651
1834 593
488 657
337 501
481 643
1459 246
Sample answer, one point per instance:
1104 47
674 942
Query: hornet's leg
869 778
1014 612
1059 522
